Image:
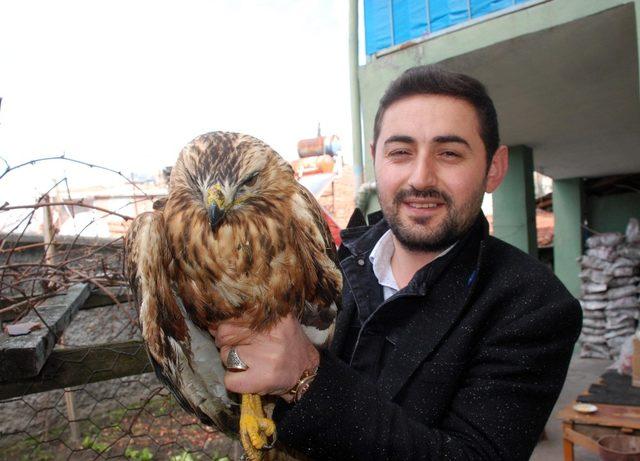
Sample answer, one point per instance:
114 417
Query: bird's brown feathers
272 254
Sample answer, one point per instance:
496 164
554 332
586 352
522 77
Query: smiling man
450 344
431 172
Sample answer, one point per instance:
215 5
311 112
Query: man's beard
414 235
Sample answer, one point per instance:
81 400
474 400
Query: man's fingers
229 334
224 353
213 329
245 382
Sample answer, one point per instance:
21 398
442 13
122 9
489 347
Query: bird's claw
257 432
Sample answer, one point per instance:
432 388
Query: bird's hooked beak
215 215
217 205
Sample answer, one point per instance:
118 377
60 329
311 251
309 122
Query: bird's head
230 176
224 197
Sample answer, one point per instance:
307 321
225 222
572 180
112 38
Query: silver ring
234 362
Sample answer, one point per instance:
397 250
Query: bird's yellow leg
255 428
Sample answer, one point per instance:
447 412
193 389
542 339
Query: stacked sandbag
610 291
600 254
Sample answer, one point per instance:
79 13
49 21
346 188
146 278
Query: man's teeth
424 205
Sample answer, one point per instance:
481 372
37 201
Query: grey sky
127 83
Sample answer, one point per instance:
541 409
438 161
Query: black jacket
475 355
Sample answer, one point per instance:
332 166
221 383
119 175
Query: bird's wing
319 312
184 357
318 218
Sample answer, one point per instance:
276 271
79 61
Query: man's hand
276 358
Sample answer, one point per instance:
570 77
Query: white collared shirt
380 258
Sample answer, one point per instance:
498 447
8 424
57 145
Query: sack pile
609 299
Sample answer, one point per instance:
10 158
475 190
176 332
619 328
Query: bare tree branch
65 202
80 162
29 274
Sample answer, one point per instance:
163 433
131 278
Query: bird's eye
251 180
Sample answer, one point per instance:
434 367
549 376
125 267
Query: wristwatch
303 384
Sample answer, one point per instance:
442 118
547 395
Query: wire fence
78 385
131 418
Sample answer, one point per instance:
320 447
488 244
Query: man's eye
399 152
450 154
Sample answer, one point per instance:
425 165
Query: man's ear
497 169
372 150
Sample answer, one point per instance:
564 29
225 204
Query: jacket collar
357 241
441 306
361 239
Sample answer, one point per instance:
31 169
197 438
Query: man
451 344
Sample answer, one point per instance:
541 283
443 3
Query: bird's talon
255 428
258 430
267 427
271 444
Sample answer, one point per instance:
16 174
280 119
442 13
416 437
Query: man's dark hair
435 80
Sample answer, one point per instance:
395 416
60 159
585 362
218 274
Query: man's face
430 168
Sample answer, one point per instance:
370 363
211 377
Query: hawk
238 237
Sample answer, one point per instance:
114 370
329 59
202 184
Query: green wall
567 239
611 213
514 216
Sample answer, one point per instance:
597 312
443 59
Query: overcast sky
126 84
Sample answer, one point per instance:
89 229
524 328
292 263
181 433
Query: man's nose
424 174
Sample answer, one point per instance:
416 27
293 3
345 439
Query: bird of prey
238 237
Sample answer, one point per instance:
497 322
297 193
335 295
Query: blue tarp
409 20
377 25
391 22
447 13
482 7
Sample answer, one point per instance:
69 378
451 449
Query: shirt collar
380 258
